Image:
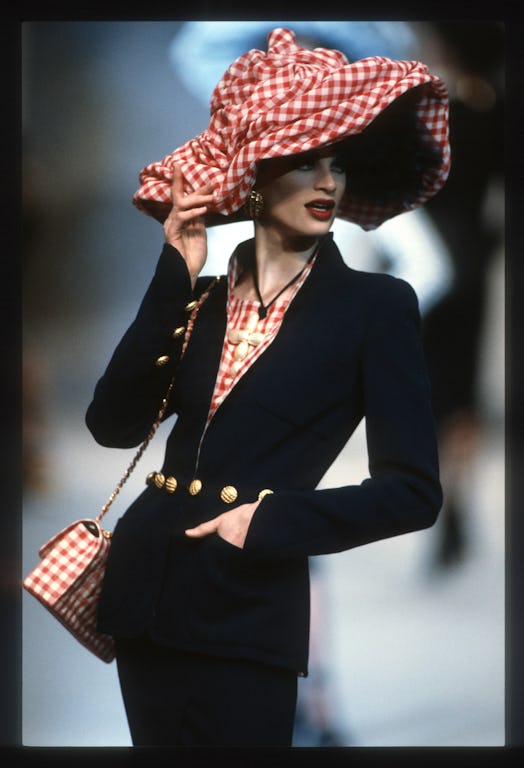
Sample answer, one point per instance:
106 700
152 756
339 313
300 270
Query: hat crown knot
257 76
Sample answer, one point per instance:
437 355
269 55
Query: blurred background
407 634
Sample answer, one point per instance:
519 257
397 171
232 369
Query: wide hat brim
292 100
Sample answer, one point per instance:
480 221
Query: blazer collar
327 265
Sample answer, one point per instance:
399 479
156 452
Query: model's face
302 193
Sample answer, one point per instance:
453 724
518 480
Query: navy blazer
349 347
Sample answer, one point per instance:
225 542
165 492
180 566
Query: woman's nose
325 179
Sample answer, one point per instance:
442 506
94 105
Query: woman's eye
338 167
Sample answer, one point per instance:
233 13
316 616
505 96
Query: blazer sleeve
402 492
128 396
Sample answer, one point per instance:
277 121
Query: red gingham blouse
238 312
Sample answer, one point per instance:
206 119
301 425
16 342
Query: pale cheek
288 202
287 212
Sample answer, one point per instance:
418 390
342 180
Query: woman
206 587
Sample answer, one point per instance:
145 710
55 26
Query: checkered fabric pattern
292 100
68 580
238 310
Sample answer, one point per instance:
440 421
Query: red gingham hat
291 100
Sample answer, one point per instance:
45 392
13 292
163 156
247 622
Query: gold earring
254 204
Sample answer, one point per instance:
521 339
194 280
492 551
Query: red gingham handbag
68 581
69 577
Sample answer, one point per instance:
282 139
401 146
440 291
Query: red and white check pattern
238 311
68 580
291 100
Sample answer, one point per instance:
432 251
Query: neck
278 259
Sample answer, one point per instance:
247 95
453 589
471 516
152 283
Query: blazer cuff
172 278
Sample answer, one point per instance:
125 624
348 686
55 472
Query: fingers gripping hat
391 117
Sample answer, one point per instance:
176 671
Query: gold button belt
228 493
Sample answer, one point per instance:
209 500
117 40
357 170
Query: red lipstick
321 209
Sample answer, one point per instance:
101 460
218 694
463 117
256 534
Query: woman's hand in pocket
232 526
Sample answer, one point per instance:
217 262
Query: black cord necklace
262 310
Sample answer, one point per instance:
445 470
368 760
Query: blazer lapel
305 314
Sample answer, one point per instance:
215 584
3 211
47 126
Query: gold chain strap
138 454
156 423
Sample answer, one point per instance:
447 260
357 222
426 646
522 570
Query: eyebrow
316 154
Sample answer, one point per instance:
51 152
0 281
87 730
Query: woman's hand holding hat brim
184 227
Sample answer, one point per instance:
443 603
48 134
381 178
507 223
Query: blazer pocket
227 546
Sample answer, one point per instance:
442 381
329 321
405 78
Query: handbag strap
161 412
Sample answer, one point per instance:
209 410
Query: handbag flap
92 525
69 555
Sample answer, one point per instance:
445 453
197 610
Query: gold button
228 494
263 493
171 484
179 331
150 479
162 360
195 487
159 480
190 307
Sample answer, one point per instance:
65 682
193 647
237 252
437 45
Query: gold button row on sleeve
164 359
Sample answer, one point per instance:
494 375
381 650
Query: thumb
204 529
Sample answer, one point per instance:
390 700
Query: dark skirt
177 698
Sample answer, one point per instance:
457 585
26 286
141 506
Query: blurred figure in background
468 213
34 374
